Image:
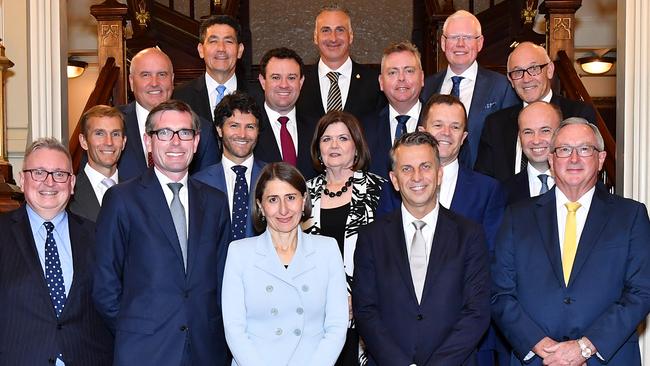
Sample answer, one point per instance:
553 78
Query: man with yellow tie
571 275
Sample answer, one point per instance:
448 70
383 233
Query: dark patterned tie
239 203
524 162
544 179
149 160
178 216
286 142
455 89
53 272
401 125
334 101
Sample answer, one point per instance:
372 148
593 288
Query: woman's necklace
338 193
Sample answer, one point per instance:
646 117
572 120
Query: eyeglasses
584 151
40 175
532 71
457 37
166 134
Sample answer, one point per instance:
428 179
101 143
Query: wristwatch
584 350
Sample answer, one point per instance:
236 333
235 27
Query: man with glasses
482 91
571 275
530 71
161 249
46 262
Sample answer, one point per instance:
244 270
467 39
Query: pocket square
490 105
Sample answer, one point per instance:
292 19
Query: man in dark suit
421 278
401 80
350 86
285 132
482 91
161 248
237 118
530 72
537 122
46 259
571 272
220 47
102 136
463 191
152 81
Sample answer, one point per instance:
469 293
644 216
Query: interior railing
102 94
573 88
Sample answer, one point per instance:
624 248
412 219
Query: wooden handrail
102 94
574 89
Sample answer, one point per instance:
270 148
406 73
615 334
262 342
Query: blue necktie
221 89
53 272
401 125
455 89
239 203
544 179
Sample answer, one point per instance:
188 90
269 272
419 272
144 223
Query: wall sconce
76 68
596 64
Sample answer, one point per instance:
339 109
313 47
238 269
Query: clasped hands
559 353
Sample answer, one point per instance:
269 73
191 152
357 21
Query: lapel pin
358 76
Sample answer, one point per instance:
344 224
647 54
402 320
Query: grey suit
84 201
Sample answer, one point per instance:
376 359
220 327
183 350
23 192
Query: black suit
517 187
84 201
132 162
30 332
363 98
497 148
267 148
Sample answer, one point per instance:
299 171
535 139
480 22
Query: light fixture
596 64
76 68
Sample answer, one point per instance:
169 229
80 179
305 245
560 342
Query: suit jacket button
420 317
297 332
305 288
51 360
299 311
567 300
274 311
186 294
565 338
183 328
59 326
269 288
278 331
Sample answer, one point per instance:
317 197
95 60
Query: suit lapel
201 90
444 237
394 231
356 84
479 101
266 142
462 190
510 135
546 216
79 240
133 136
268 260
301 261
384 135
310 98
436 82
196 219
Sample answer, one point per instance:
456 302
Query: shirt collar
585 200
36 221
547 98
430 218
141 112
345 70
163 179
533 172
96 177
230 84
469 74
414 112
273 115
228 164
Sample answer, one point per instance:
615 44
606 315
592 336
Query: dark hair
286 173
237 101
219 19
99 111
171 105
447 99
281 53
362 155
414 139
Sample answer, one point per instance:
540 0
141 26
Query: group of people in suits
401 220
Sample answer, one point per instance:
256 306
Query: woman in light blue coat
284 292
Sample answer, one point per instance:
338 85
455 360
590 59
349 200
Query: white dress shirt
231 176
534 184
141 113
581 213
448 185
95 179
344 81
182 194
518 151
427 231
292 126
211 85
466 88
411 124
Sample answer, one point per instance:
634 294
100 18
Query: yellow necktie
570 240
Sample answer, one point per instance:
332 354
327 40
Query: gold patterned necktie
570 240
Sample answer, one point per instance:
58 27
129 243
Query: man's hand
539 348
564 354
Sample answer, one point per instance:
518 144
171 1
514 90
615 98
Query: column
560 18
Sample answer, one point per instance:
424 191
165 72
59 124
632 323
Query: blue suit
609 288
292 316
133 162
215 177
492 92
445 328
159 311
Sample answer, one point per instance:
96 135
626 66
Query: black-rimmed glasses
40 175
532 71
166 134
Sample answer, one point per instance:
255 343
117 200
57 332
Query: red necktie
288 148
149 160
